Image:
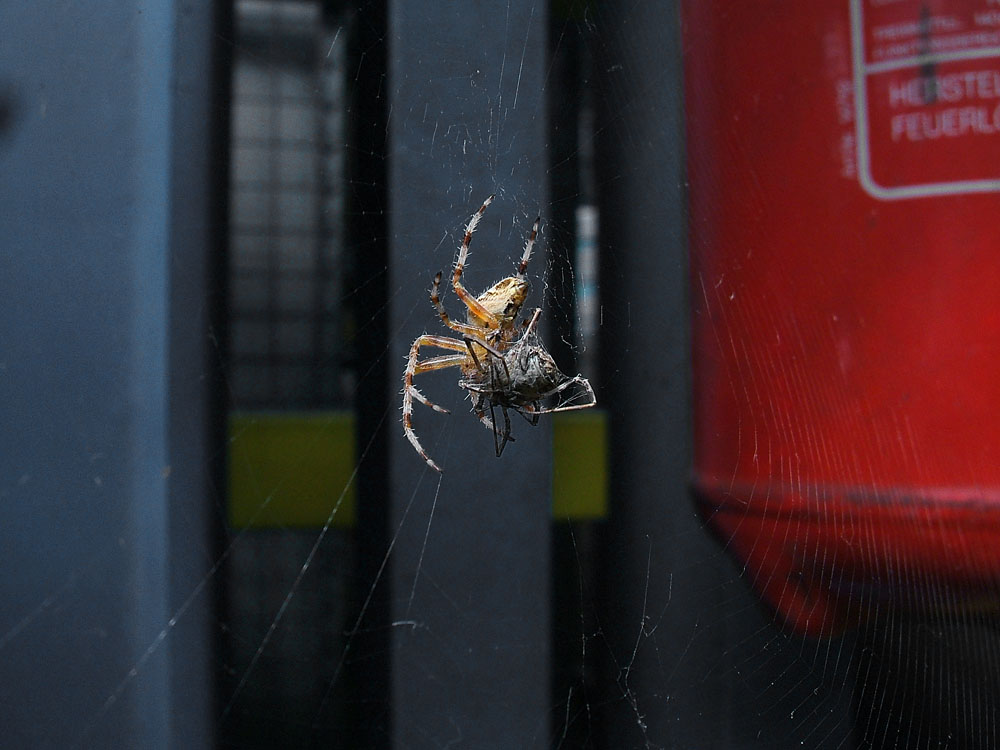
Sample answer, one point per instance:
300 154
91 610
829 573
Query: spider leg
526 256
534 418
469 341
409 390
499 443
533 323
506 431
479 406
476 308
443 314
480 411
479 394
532 410
441 342
486 392
429 365
439 363
578 380
496 436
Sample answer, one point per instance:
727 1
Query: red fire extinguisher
844 162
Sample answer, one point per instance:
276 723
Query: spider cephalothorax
503 300
498 368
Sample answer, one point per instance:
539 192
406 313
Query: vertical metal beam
470 566
366 226
95 406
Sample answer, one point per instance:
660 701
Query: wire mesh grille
286 239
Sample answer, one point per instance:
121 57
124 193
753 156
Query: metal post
470 565
104 470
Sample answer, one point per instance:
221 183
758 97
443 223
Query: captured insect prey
503 365
521 379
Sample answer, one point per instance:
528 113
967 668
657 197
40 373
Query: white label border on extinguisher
861 71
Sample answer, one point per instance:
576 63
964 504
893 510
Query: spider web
650 634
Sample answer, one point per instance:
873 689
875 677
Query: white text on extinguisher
954 122
970 85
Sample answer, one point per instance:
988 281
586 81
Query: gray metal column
470 566
103 462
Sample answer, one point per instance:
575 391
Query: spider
496 369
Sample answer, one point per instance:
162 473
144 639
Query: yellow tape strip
580 465
290 469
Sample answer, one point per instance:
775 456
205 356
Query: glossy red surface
846 299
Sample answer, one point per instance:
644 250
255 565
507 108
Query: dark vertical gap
563 119
564 173
218 335
367 242
610 588
577 672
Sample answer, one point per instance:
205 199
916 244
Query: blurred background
764 241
